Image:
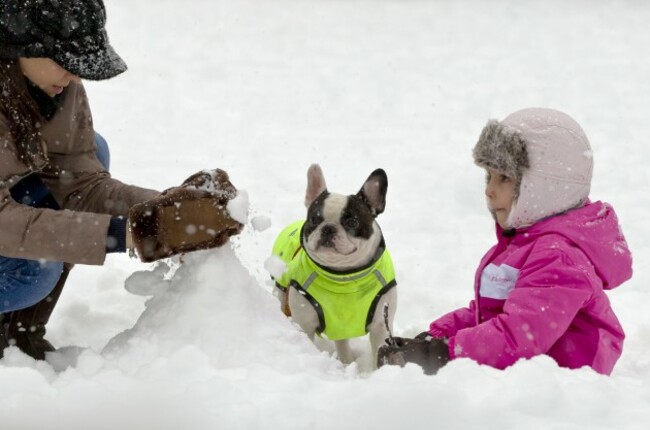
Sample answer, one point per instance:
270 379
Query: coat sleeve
80 183
60 235
449 324
550 291
77 235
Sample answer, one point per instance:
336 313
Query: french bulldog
339 280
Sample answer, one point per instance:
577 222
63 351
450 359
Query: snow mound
214 307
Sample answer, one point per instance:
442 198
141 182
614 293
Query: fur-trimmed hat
70 32
502 149
548 155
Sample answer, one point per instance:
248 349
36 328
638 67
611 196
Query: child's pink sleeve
549 293
447 325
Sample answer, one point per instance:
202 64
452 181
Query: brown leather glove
187 218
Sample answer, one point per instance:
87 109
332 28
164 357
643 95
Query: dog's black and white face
341 232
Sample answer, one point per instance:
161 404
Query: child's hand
427 352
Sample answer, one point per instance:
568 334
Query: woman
59 205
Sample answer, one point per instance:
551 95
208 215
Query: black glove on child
428 352
187 218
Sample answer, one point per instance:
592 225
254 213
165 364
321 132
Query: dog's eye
315 219
351 223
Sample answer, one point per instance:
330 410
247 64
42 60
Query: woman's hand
186 218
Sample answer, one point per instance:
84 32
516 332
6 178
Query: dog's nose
328 231
327 235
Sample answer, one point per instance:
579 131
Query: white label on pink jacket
498 281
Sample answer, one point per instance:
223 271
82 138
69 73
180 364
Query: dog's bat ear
373 191
315 184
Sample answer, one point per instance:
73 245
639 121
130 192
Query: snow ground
263 89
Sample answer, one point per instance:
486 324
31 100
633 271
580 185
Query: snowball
261 222
275 266
238 207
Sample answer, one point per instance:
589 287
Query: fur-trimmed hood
502 148
548 155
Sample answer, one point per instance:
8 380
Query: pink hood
593 229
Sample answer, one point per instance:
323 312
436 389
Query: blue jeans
24 283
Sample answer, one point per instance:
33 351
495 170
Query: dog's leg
344 351
282 297
284 301
377 330
303 313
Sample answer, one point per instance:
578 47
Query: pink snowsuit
541 291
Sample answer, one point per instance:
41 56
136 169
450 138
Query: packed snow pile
212 307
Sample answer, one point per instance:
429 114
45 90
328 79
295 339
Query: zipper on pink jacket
502 245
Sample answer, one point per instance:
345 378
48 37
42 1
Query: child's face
47 75
500 192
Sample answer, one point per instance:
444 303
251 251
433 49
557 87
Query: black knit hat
70 32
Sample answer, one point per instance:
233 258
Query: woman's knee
24 283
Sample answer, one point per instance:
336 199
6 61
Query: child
541 288
59 205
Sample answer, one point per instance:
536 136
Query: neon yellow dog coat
344 301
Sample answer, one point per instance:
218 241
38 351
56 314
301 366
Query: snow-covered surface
263 89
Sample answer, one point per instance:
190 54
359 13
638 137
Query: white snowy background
263 89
